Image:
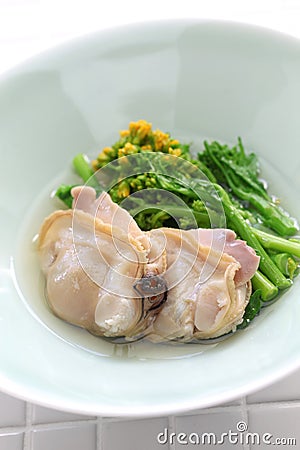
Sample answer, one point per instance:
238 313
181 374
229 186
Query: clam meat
103 273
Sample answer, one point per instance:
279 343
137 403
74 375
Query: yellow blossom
107 150
161 139
174 151
128 149
95 164
123 161
141 128
124 133
145 148
123 189
103 157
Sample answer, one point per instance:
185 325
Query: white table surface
28 27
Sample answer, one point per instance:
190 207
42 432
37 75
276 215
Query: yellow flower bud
141 128
102 157
174 151
146 148
95 165
123 189
161 139
124 133
107 150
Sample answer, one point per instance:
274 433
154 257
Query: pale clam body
91 270
106 275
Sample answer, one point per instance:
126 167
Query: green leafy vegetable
252 309
64 194
240 174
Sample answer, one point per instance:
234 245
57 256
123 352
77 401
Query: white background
28 27
31 26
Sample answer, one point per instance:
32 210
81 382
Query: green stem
277 243
268 290
83 169
286 263
240 226
273 216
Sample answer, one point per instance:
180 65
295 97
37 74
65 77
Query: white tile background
28 27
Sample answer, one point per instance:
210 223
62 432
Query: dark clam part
209 341
150 286
153 290
156 302
123 339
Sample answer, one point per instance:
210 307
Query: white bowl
196 79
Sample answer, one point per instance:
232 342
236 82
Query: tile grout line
27 443
244 407
63 424
211 410
99 433
247 406
172 428
46 426
273 404
245 418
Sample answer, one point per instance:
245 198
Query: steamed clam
97 275
208 289
106 275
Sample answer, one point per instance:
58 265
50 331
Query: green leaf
252 309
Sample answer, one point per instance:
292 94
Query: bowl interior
197 80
